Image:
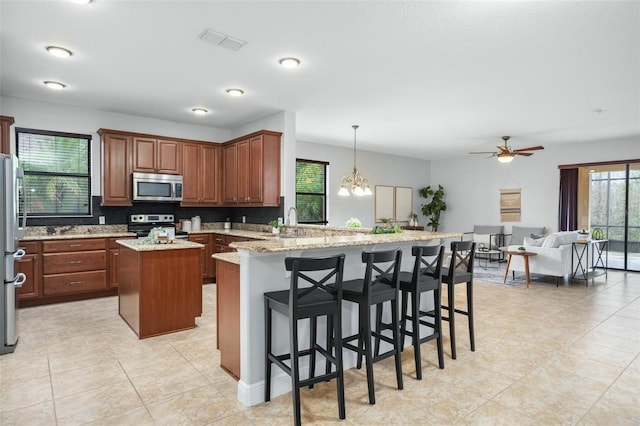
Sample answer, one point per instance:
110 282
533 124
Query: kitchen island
160 288
261 269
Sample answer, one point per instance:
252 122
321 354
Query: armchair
488 239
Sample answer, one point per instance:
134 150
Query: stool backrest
382 267
303 284
462 257
428 262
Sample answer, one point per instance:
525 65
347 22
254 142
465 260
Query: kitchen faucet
295 223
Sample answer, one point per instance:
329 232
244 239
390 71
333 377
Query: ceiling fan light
505 157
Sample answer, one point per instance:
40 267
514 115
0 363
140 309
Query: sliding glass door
614 207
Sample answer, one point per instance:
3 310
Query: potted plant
275 226
433 208
385 221
413 219
353 222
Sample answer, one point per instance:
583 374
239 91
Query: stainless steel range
141 224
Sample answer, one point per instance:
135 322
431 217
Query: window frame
88 138
324 194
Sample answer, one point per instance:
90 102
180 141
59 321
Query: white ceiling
422 79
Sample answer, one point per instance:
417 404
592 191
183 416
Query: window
57 168
311 191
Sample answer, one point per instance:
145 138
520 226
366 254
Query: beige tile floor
545 355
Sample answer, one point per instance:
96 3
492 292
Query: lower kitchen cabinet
113 277
228 316
208 265
31 266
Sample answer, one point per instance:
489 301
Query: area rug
495 275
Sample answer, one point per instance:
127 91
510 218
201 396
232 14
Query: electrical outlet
101 220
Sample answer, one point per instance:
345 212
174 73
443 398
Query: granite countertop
236 233
231 257
39 233
142 244
283 244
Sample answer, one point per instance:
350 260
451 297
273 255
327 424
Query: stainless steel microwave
156 187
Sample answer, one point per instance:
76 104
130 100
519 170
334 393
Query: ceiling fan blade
526 154
503 149
483 152
533 148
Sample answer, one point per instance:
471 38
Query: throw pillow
534 242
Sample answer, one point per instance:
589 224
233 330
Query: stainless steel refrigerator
12 228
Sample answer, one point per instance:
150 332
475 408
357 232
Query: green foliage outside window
311 191
57 172
607 203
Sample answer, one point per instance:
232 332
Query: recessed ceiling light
235 92
60 52
289 62
54 85
199 111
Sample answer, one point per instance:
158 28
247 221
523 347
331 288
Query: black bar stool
378 286
460 271
426 276
301 302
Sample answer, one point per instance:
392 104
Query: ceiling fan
506 154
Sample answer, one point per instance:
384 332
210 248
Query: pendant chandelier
355 183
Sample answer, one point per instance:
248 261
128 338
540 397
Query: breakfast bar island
261 267
160 289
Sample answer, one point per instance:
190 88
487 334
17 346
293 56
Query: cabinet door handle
75 282
75 262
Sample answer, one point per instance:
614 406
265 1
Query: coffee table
525 255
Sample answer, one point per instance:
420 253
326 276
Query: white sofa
554 253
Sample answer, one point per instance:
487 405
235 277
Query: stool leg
452 318
396 340
379 307
365 319
470 314
267 351
295 371
403 318
313 322
415 313
437 303
330 343
339 366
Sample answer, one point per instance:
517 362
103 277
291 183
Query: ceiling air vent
219 39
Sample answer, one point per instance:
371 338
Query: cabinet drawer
74 283
73 245
58 263
202 239
30 247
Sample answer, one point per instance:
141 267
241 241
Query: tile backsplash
120 215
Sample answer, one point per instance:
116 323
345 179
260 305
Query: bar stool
378 286
302 301
460 271
426 276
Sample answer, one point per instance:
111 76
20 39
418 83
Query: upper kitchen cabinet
157 156
201 174
252 169
5 127
116 168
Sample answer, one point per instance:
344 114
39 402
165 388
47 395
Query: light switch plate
101 220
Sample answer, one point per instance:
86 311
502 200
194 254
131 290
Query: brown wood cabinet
201 174
160 290
228 316
31 266
208 265
73 266
252 169
5 133
116 168
113 277
152 155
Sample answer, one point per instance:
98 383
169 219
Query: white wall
383 169
472 184
62 118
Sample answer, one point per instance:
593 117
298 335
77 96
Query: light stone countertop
283 244
236 233
38 233
142 244
231 257
78 236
